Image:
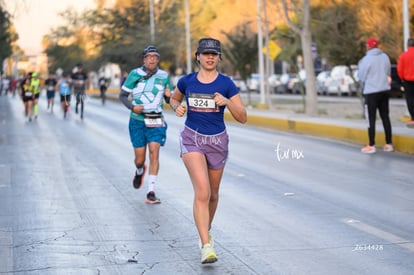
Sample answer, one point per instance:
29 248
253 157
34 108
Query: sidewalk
339 118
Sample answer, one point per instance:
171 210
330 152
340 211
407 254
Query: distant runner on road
50 84
79 78
64 87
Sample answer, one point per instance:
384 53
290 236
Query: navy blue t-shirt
203 115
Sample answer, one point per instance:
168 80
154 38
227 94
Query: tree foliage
119 34
289 42
241 50
341 27
385 24
64 57
69 44
122 32
337 33
6 36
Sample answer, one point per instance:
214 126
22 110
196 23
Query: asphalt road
290 204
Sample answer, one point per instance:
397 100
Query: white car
274 82
340 80
296 83
241 86
253 82
321 81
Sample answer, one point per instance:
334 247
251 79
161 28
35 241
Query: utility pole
152 24
187 36
406 23
269 62
260 55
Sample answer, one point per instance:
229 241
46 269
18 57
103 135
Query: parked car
274 82
240 84
321 79
297 84
340 81
253 82
284 79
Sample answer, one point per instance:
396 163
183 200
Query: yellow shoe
208 255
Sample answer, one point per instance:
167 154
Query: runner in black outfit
103 86
50 84
79 78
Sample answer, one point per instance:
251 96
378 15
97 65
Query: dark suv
397 88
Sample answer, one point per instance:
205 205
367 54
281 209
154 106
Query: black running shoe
139 179
152 199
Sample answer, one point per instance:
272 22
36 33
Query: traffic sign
274 50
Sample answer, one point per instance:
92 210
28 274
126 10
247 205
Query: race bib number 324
202 103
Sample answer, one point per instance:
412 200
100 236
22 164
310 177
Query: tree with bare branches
302 28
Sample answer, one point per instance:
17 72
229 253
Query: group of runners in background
67 84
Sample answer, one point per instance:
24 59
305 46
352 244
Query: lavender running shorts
213 147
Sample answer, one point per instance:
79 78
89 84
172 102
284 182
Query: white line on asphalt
408 244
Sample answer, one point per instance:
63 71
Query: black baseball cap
208 45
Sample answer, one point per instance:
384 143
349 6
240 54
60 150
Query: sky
35 18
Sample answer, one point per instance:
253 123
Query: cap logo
208 45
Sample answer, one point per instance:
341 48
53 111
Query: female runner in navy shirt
204 140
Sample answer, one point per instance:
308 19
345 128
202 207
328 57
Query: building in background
19 65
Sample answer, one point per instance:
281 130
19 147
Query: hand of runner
220 100
167 92
137 109
180 110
